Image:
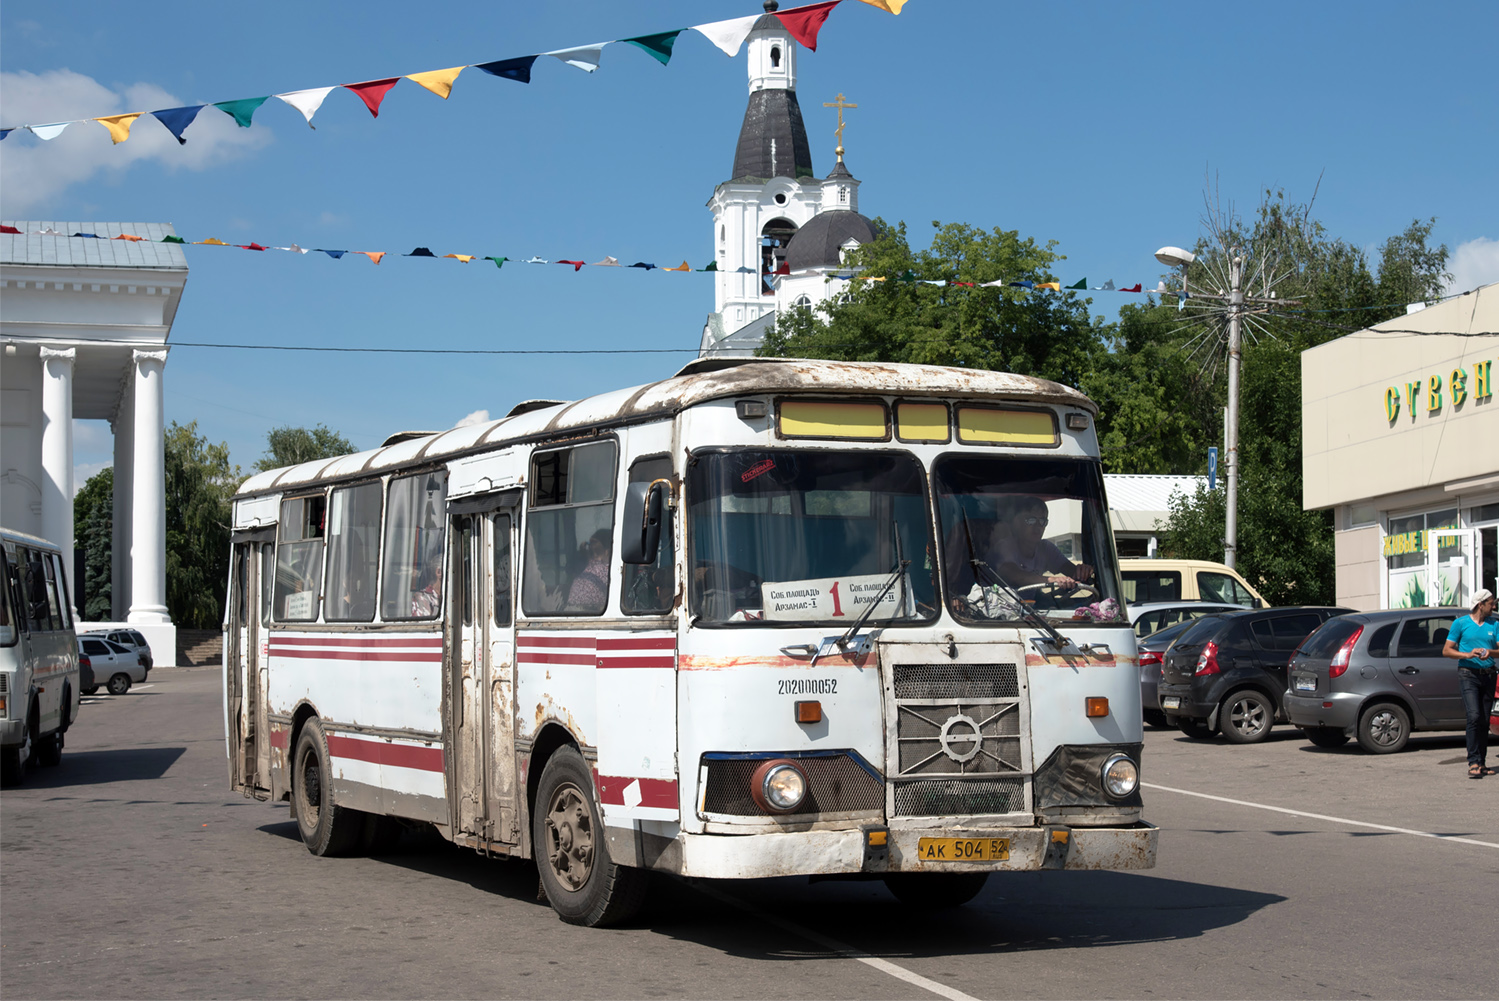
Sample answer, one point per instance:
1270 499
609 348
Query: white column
57 453
119 570
148 529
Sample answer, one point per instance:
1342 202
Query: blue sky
1091 124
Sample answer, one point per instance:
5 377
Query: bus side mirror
640 534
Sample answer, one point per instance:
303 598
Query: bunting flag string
1018 285
803 23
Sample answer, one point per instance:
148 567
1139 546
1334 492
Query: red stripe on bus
527 657
427 759
354 641
654 643
280 737
659 793
531 639
666 662
414 656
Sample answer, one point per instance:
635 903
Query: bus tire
327 829
13 761
49 750
581 882
933 890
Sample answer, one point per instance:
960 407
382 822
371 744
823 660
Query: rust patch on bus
705 663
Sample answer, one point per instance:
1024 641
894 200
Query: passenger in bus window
427 599
589 591
1024 557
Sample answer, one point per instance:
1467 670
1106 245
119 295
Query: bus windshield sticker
758 469
829 598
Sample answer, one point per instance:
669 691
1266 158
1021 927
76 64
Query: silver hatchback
1377 677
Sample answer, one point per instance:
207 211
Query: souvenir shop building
1400 439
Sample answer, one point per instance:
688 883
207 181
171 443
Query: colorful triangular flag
11 230
118 126
177 120
1135 289
608 262
728 35
48 131
499 262
1081 285
420 252
465 258
372 92
658 46
577 265
712 266
893 6
1054 286
307 101
242 110
517 69
439 82
128 236
172 239
212 241
642 264
804 22
373 255
684 266
584 57
335 254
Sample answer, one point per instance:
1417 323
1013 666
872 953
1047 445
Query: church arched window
775 57
802 301
773 240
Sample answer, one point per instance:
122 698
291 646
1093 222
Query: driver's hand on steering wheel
1084 572
1062 581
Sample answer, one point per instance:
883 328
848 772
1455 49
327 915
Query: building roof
819 243
1139 501
773 139
84 252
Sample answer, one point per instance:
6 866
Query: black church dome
819 244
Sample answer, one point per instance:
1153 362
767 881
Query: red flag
803 22
372 92
577 265
10 229
252 245
1135 289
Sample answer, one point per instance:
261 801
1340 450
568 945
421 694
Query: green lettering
1484 388
1392 403
1458 380
1411 389
1434 393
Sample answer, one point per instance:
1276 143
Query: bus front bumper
811 853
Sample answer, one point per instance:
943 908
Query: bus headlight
778 786
1121 776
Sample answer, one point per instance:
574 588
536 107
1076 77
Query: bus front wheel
326 828
582 883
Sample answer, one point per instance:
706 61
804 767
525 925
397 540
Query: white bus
39 686
763 618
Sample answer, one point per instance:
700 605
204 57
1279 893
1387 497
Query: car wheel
326 828
1326 736
119 684
582 883
1246 717
1384 728
933 890
1195 728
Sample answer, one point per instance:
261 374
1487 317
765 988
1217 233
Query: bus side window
570 531
57 594
267 581
34 592
299 561
353 546
652 589
415 531
503 596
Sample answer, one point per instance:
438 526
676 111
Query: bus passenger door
245 672
481 678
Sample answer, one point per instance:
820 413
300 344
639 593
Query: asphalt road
130 871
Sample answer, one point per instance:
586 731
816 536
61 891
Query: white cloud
33 172
85 471
1473 264
477 417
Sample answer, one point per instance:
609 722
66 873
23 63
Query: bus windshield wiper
843 641
1030 615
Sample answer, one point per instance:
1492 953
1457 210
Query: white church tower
771 193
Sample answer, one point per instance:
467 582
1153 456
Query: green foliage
288 446
93 534
199 484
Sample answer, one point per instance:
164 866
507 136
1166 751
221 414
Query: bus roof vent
401 436
526 406
703 366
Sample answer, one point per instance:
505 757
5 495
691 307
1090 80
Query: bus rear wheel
582 883
933 890
326 828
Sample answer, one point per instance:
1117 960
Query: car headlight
1121 776
778 786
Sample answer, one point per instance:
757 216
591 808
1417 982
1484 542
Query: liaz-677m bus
762 618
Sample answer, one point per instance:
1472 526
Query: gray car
1377 677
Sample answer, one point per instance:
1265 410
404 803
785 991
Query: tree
898 319
288 446
93 534
199 484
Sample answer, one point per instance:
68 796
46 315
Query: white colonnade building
84 325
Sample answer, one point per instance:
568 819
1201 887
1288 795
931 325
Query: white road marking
1323 816
833 945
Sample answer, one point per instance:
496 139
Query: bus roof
698 382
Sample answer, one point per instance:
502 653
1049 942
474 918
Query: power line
439 351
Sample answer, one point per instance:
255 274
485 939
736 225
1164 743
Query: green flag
909 276
1083 285
172 239
242 110
712 266
499 262
657 45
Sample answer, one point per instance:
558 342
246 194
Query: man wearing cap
1471 642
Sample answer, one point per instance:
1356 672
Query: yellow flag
863 278
440 82
373 255
1054 286
893 6
118 126
213 242
465 258
685 267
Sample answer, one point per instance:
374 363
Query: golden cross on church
840 104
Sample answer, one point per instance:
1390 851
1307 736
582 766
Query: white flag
728 35
585 57
307 101
48 131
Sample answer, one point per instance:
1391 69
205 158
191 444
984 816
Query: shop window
353 552
570 531
299 558
411 568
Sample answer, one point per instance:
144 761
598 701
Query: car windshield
1039 530
807 536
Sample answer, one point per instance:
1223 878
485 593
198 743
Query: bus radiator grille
956 681
837 785
960 798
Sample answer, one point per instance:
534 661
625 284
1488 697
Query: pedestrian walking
1471 642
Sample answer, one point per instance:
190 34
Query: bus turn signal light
809 712
1097 706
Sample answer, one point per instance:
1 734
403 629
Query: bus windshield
782 536
1026 530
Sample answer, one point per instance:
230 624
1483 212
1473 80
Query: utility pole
1231 444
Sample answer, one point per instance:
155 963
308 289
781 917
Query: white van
39 686
1186 580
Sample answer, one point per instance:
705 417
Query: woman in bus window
589 591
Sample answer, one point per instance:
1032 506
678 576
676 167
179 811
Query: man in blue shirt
1471 642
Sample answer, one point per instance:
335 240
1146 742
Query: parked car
1151 651
108 660
130 639
1228 672
1153 616
1376 676
1185 580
